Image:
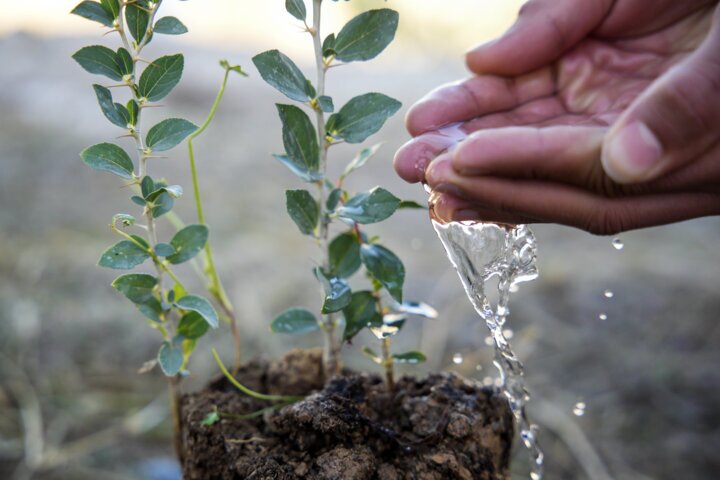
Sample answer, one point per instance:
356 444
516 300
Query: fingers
475 97
673 122
544 30
568 205
449 208
412 159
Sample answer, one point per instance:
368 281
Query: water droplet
489 341
457 358
487 381
608 294
479 367
514 288
579 409
508 333
603 316
617 244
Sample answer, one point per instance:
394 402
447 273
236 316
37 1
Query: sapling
307 148
181 318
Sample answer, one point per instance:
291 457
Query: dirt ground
70 347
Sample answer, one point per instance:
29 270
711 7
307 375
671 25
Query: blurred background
72 405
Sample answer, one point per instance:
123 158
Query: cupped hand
599 114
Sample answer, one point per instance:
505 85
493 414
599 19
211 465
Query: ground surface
71 347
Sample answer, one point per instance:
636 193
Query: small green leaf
280 72
328 45
108 157
370 207
299 138
192 326
109 109
366 35
187 243
210 419
362 116
100 61
344 253
333 199
368 352
170 358
95 12
160 77
138 200
359 313
147 187
412 358
133 109
169 26
164 250
124 255
136 20
299 170
200 305
151 308
168 133
125 219
303 209
137 287
162 204
360 159
337 292
416 308
296 8
326 104
295 321
385 267
411 204
125 61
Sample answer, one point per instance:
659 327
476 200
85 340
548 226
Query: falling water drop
514 288
457 358
489 341
603 316
608 294
579 409
479 367
617 244
508 333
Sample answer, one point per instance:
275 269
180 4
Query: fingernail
632 154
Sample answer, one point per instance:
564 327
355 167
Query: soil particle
441 427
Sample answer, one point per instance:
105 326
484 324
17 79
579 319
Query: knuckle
606 219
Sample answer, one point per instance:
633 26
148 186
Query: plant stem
215 286
388 363
332 346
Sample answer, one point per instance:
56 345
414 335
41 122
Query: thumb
674 121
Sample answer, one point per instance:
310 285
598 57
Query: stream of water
482 252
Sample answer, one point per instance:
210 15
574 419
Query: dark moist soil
437 428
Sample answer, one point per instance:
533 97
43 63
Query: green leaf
295 321
170 358
299 138
385 267
200 305
188 242
370 207
136 21
169 26
133 109
125 219
360 159
337 292
137 287
112 7
416 308
124 255
299 170
362 116
344 252
360 312
333 199
93 11
368 352
296 8
328 45
109 109
326 104
108 157
138 200
162 204
280 72
366 35
152 309
164 250
125 61
210 419
168 133
411 204
100 61
303 209
147 187
412 358
160 77
192 326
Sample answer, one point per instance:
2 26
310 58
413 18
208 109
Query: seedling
181 318
316 215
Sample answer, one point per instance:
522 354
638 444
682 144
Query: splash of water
480 252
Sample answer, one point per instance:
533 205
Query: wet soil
352 428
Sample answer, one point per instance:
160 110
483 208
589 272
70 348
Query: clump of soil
352 428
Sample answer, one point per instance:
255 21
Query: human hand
599 114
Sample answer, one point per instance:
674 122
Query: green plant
307 146
180 317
